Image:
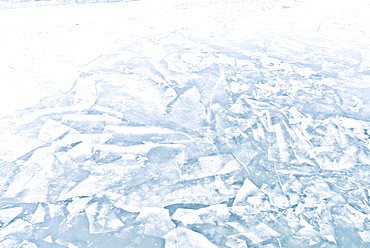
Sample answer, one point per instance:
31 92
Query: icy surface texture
181 143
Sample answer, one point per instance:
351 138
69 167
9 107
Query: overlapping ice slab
195 145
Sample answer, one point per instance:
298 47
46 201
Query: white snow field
180 124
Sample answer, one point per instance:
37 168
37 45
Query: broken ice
174 140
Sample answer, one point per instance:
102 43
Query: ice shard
183 237
213 215
8 214
102 218
154 222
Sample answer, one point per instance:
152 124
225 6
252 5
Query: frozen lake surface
185 124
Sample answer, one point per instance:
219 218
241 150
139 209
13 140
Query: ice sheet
189 124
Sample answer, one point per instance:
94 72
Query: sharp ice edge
232 149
